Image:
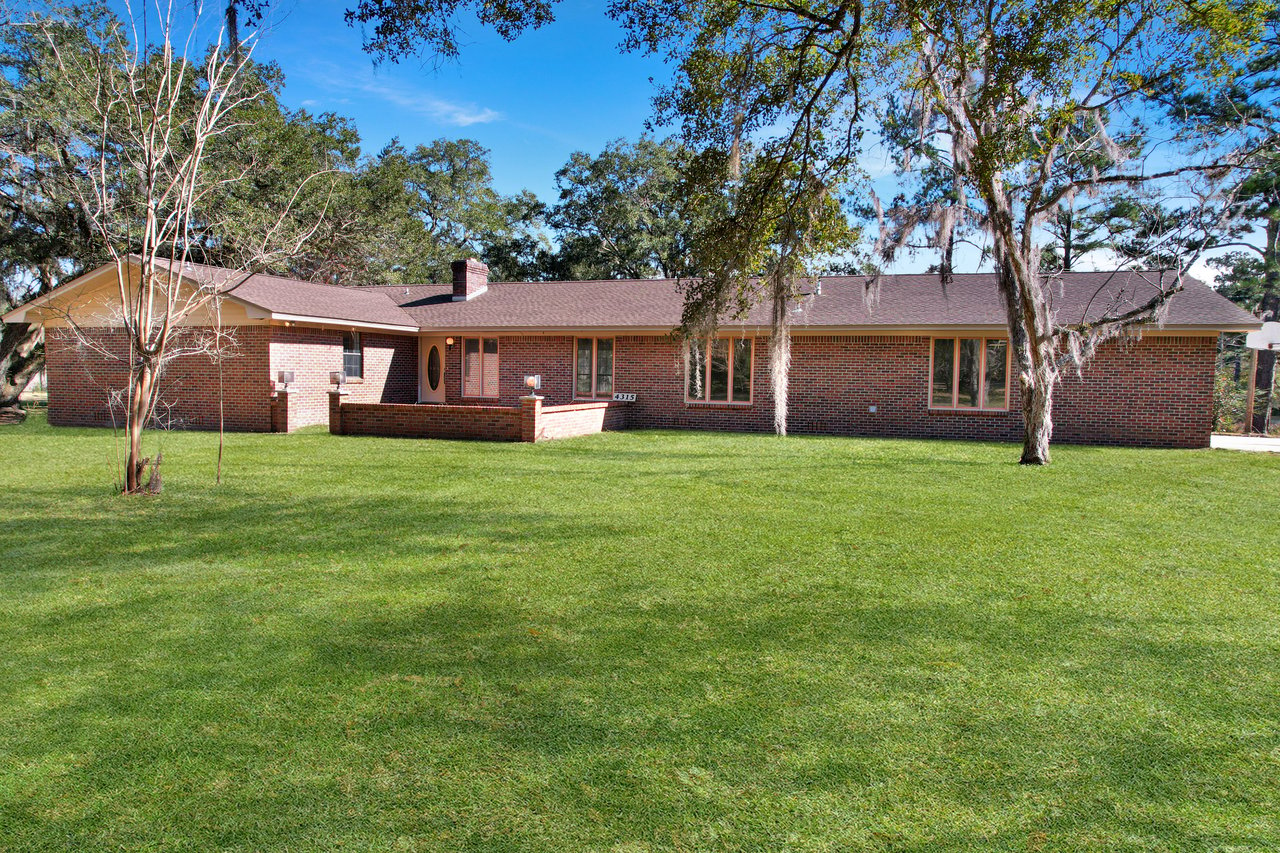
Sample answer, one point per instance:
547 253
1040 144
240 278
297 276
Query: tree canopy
620 214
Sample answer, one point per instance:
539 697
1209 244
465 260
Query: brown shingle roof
900 301
289 296
280 295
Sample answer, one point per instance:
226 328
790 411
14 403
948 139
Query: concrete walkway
1255 443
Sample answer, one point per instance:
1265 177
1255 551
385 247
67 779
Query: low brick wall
530 421
580 419
409 420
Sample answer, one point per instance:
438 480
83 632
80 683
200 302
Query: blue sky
531 102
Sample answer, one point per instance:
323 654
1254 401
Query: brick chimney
470 279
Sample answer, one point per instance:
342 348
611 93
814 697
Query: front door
431 370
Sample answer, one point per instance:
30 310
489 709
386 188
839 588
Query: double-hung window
593 367
352 355
970 373
718 371
479 367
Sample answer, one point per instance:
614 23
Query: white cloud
446 112
1201 270
406 97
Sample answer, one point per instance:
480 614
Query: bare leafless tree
160 89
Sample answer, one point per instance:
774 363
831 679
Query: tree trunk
141 378
1037 414
21 358
1265 380
1031 346
1037 375
780 356
1068 245
1265 377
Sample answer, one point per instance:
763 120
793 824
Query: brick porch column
530 415
280 411
335 411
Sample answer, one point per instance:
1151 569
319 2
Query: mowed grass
637 642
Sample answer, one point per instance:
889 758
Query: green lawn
638 641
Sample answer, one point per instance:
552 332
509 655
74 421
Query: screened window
719 371
479 367
593 367
970 373
352 355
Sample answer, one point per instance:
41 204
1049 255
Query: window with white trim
718 371
479 367
593 367
970 373
352 355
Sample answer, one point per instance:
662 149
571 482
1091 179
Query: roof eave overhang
19 314
800 329
1192 329
258 313
754 328
1221 330
544 330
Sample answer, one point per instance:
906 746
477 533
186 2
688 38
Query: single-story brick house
452 360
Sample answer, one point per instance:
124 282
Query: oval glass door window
433 368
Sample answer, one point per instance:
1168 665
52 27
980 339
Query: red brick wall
81 380
518 357
836 381
390 369
493 423
1156 392
653 369
1153 392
